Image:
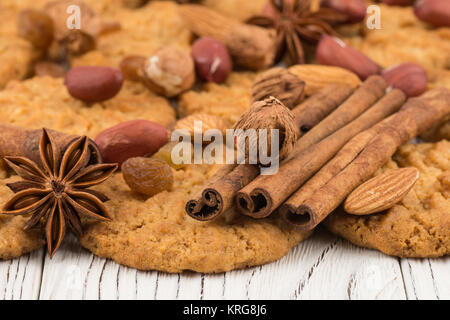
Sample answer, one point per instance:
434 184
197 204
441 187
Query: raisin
130 67
165 154
36 27
147 176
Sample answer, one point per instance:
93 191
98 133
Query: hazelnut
169 72
130 67
36 27
212 59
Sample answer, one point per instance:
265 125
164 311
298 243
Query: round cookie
429 47
44 102
157 234
237 9
228 100
142 32
418 226
16 56
14 241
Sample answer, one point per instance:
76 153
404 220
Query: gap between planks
322 267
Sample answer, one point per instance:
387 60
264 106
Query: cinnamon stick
416 116
17 141
266 193
219 195
362 99
320 105
345 156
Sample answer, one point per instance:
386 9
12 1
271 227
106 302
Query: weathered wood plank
344 271
322 267
20 279
427 278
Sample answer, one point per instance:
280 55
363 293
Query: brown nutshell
281 84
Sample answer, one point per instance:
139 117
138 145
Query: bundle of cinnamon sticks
352 134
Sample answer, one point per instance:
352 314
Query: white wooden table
323 267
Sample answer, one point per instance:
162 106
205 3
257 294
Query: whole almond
411 78
398 2
334 52
135 138
212 60
435 12
381 192
93 83
355 10
318 76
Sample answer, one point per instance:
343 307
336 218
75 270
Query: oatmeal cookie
418 226
429 47
16 56
237 9
157 234
14 241
228 100
44 102
142 32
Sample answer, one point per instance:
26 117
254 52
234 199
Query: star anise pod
294 21
56 189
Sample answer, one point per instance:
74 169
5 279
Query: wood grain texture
322 267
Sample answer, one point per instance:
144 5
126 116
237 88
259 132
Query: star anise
294 21
56 189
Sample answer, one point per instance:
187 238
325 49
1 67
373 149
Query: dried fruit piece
130 67
334 52
212 60
411 78
78 42
47 68
175 160
281 84
93 83
169 72
36 27
381 192
435 12
147 176
135 138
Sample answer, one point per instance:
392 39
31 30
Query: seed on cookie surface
147 176
93 83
